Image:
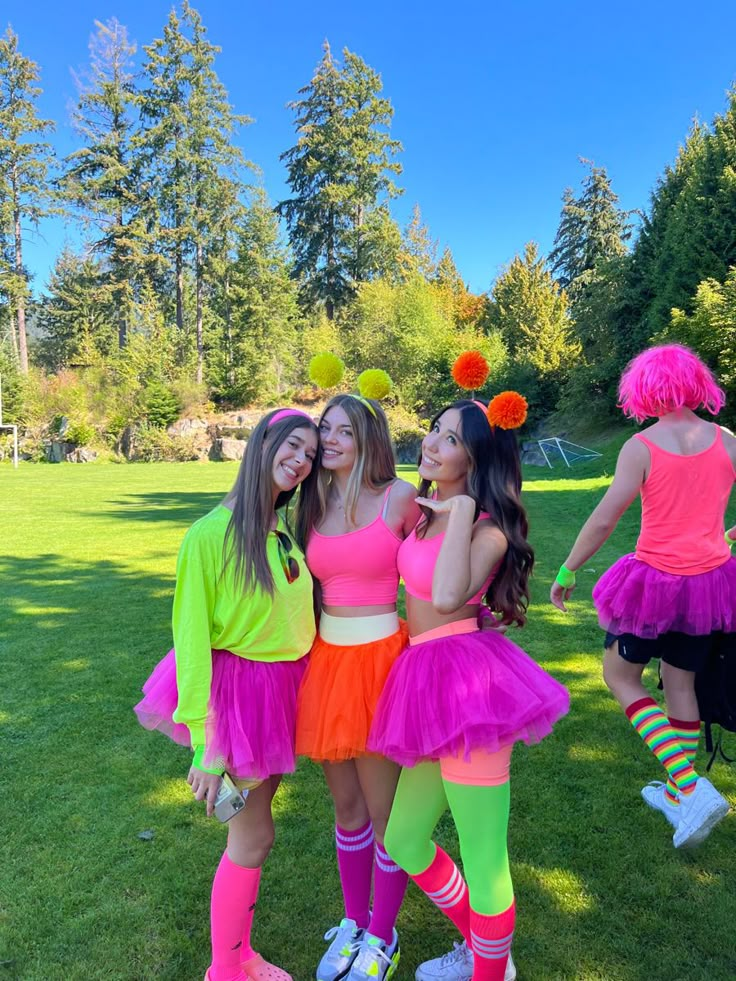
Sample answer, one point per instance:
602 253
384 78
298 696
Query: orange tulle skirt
339 693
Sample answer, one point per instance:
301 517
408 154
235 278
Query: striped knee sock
445 886
491 941
654 728
355 862
689 735
389 886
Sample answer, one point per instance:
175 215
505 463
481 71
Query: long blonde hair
374 467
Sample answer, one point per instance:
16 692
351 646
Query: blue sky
493 103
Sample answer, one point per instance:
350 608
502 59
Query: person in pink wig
674 598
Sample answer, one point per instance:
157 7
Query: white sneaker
700 812
376 961
654 796
457 965
341 953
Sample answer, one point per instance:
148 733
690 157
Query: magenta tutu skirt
251 717
451 695
635 598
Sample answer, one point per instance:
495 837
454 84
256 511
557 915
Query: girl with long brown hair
243 622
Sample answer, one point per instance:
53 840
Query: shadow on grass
601 893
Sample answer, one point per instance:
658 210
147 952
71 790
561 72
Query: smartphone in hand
230 801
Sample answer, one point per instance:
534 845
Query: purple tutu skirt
635 598
251 720
451 695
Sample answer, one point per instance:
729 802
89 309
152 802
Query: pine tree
194 166
261 342
75 314
531 313
592 228
418 249
103 178
340 174
25 166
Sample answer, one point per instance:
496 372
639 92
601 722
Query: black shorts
684 651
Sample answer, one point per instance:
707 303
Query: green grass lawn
87 560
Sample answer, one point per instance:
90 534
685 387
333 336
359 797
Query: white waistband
348 631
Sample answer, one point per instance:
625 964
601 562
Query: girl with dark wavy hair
243 622
458 698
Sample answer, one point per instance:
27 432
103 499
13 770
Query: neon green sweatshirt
212 612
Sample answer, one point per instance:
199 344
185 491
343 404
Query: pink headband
285 413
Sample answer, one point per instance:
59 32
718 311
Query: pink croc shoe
257 969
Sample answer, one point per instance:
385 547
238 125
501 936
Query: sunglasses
288 563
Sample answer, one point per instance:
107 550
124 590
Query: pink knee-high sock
445 886
355 862
234 892
490 938
389 886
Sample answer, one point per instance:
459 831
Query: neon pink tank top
683 503
417 559
359 567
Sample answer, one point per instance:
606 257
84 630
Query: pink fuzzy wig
667 378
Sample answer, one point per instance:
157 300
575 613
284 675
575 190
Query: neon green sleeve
194 603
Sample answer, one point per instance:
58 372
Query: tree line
186 291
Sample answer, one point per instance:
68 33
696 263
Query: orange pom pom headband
507 410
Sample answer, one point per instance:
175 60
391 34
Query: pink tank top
683 503
417 559
359 567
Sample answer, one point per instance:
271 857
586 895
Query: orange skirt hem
339 694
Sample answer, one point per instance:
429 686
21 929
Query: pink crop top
417 559
683 501
359 567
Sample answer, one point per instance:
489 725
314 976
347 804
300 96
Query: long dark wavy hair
494 483
252 501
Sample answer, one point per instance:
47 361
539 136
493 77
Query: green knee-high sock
481 815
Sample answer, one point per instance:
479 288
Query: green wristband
729 541
565 577
198 762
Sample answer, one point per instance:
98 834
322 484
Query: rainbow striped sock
654 728
688 732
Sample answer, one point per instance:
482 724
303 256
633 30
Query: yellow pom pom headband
327 370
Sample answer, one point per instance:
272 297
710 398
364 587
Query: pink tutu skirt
460 692
635 598
251 719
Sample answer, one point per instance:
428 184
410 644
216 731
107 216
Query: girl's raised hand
447 505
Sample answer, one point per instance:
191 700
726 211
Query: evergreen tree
103 177
339 173
592 228
418 249
258 358
25 165
76 314
531 313
194 166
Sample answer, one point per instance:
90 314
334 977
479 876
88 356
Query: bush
160 405
407 432
80 434
154 445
